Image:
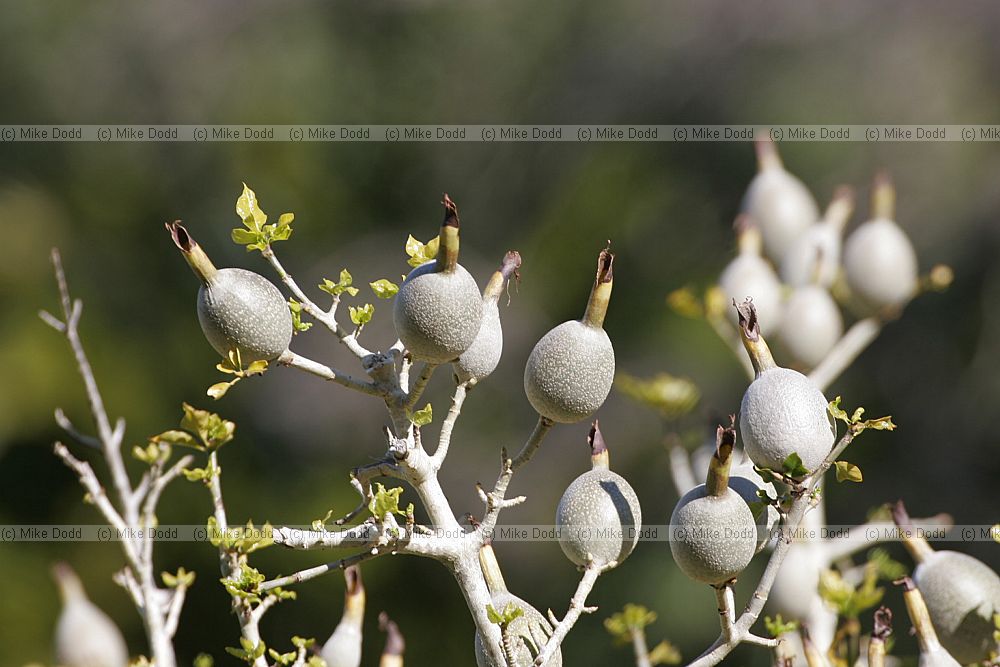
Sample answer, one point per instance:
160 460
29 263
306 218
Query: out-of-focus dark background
667 207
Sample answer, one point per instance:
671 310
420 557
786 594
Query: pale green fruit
783 413
712 538
529 631
599 516
483 356
749 275
437 313
240 309
961 594
779 203
570 371
85 636
812 324
881 264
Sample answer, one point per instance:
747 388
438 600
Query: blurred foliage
667 207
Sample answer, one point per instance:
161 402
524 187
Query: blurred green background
667 207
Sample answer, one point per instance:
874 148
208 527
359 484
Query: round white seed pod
881 264
783 412
85 636
961 594
570 371
239 309
529 632
814 257
779 203
598 517
712 538
812 324
749 275
437 314
483 356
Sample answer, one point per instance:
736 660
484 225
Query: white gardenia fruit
879 260
598 517
483 356
814 255
782 412
779 203
237 309
570 370
713 535
811 325
85 636
343 648
961 594
750 275
438 309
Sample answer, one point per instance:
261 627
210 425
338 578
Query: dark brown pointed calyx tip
883 623
450 212
395 645
725 440
906 583
352 575
596 439
180 236
748 318
605 265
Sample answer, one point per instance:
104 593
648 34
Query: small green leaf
837 412
195 474
671 396
384 289
880 424
285 219
793 467
245 236
421 253
885 567
320 524
848 472
203 660
684 302
423 416
363 315
335 289
632 617
303 642
219 389
385 501
664 653
175 437
212 430
297 324
248 210
182 578
503 618
995 532
777 626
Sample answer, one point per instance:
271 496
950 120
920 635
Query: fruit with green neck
438 308
750 275
343 648
238 309
527 632
782 412
814 256
713 535
570 370
932 653
778 202
811 324
961 592
483 356
879 260
85 636
598 504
